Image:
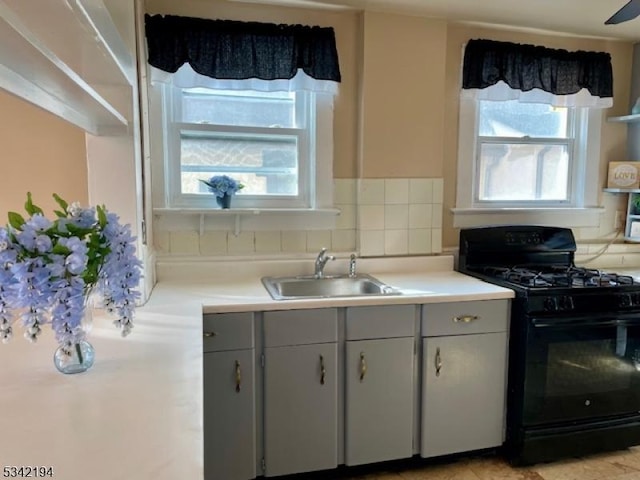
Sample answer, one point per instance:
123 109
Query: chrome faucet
321 261
352 265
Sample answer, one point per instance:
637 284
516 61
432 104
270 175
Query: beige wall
402 104
41 154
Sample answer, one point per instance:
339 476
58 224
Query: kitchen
365 45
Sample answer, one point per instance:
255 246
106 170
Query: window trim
584 211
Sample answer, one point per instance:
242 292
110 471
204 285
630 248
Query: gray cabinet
229 397
300 391
379 383
464 362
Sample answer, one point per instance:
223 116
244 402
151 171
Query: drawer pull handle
465 318
363 366
438 362
238 377
209 334
323 371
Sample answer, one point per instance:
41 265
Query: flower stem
79 352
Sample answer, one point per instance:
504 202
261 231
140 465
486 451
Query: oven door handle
591 321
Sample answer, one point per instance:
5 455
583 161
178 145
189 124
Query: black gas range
574 348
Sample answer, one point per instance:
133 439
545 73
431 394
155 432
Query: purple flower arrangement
221 185
49 267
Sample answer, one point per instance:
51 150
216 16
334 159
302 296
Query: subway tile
436 240
396 217
213 243
371 217
438 190
371 191
268 242
344 191
420 215
343 240
184 243
396 242
396 191
318 239
371 243
420 241
347 218
420 190
436 219
241 244
293 241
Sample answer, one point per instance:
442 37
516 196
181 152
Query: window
518 161
524 153
264 139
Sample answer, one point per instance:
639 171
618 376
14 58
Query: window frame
316 111
582 211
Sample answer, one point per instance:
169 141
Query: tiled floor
621 465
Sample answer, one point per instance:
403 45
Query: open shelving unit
68 57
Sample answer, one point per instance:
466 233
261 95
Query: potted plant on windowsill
223 187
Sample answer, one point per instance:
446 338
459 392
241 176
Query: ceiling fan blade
630 11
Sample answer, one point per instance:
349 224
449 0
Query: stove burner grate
558 276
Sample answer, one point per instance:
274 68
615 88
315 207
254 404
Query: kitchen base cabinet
464 364
229 415
463 393
300 408
379 400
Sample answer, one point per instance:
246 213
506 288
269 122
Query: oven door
581 368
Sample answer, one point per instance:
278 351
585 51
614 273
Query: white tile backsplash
371 191
393 216
396 191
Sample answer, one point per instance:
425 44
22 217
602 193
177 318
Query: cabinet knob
438 361
209 334
323 371
363 366
238 377
465 318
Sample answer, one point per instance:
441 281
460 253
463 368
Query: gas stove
574 343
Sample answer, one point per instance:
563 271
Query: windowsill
245 219
561 217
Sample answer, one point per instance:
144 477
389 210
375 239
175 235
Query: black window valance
227 49
525 67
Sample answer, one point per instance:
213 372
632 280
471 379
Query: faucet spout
321 261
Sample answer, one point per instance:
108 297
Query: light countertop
137 413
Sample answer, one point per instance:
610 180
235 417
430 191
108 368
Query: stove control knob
551 304
624 300
566 303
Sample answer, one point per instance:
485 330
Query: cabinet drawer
390 321
465 317
300 327
227 331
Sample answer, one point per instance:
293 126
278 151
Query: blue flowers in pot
223 187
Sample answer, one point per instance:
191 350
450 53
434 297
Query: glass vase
79 358
224 201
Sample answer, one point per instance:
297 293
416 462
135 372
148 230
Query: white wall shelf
238 213
67 56
625 119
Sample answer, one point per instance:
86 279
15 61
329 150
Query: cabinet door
463 393
229 415
300 409
379 410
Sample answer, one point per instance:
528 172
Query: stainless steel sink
289 288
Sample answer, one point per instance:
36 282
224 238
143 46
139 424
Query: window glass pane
523 172
515 119
249 108
264 164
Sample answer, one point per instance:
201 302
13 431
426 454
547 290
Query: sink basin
289 288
